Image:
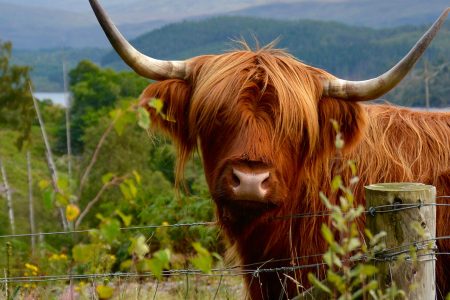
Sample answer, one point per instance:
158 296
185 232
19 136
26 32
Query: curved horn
376 87
140 63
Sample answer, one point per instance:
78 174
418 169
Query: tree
16 108
95 91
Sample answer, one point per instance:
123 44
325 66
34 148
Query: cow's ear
168 103
350 116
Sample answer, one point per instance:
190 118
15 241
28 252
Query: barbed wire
220 272
372 210
122 229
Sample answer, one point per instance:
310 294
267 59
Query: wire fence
390 254
371 211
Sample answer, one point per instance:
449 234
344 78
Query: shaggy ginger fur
266 109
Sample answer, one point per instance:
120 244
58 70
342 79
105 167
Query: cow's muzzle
248 184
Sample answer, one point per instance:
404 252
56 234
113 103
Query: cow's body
241 128
262 122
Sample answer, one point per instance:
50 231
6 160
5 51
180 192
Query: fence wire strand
221 272
238 270
372 210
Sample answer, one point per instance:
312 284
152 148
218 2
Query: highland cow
262 122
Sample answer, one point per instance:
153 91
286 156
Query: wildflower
72 212
31 267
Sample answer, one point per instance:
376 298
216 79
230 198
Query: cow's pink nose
250 186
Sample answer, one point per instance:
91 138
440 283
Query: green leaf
107 177
217 256
337 261
157 264
125 190
325 200
352 165
62 199
376 238
163 256
143 118
369 270
139 247
344 203
336 183
353 244
328 258
132 188
203 263
137 177
200 249
110 230
203 260
43 184
124 119
152 265
157 104
335 125
125 219
371 286
63 184
337 280
318 284
48 198
144 265
126 265
83 253
327 234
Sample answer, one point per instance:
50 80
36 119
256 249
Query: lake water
57 98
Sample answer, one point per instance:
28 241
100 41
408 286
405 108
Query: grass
180 287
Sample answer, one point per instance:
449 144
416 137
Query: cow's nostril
235 180
265 183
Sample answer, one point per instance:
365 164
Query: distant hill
33 27
43 24
47 24
377 14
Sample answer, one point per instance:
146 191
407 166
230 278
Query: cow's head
261 118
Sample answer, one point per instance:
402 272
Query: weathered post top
406 212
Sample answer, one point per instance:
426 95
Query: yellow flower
72 212
31 267
62 256
165 223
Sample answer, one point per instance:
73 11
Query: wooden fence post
403 218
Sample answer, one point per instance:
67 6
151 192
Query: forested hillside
376 14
